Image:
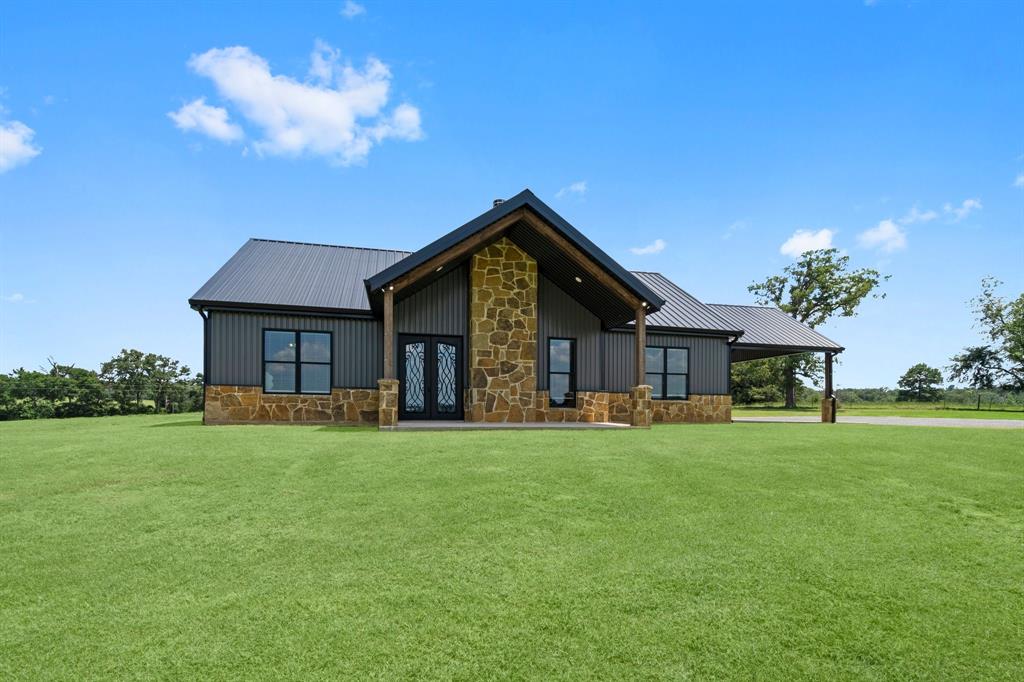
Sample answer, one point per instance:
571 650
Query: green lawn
886 410
152 547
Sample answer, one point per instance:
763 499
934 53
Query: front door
430 372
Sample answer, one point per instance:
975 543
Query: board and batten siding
236 347
439 309
236 338
604 359
709 360
560 316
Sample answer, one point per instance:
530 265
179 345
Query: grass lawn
932 410
153 547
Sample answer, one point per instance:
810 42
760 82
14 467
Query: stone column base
826 410
387 413
640 408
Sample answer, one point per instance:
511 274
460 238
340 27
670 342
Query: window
562 372
668 372
296 362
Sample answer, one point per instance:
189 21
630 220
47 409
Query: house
514 317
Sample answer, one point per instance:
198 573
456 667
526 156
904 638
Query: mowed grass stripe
155 547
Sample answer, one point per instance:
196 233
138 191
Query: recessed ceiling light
439 268
578 280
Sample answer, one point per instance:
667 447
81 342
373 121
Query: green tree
816 288
1000 362
921 383
164 377
125 374
81 393
758 381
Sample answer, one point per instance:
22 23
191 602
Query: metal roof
681 310
771 328
265 273
526 198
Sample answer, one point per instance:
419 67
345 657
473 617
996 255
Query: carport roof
769 332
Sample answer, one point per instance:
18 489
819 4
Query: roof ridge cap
329 246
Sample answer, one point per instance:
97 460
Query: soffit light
578 280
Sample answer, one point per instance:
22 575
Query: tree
999 363
81 393
163 376
758 381
921 383
125 374
816 288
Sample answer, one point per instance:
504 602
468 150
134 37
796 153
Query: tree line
820 286
131 382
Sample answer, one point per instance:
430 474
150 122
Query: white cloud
16 146
1019 180
963 210
886 236
200 117
339 114
914 215
657 246
578 188
805 240
16 297
737 226
352 9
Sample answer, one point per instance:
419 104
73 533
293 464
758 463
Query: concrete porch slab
428 425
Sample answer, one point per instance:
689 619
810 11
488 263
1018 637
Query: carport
769 333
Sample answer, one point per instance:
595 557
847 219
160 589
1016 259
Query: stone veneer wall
250 405
600 406
502 335
699 409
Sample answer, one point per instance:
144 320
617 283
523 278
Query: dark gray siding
439 308
709 360
604 360
560 316
236 347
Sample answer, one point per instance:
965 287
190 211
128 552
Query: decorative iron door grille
430 376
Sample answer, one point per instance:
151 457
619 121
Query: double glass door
431 377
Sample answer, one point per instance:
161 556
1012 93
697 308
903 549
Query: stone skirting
641 410
591 406
826 410
250 405
502 335
699 409
601 406
388 402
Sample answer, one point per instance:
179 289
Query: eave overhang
563 254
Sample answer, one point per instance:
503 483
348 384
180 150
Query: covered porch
770 333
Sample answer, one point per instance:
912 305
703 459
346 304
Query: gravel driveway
899 421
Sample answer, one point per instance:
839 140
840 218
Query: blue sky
142 144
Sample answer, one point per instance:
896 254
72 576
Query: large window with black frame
668 372
562 372
296 361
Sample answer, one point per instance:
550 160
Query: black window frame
570 403
298 362
665 374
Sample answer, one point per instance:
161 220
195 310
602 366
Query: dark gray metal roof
293 275
526 198
681 310
771 328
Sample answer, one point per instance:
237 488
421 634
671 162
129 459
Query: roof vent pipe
497 202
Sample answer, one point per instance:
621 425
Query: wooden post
828 403
828 375
389 334
641 347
